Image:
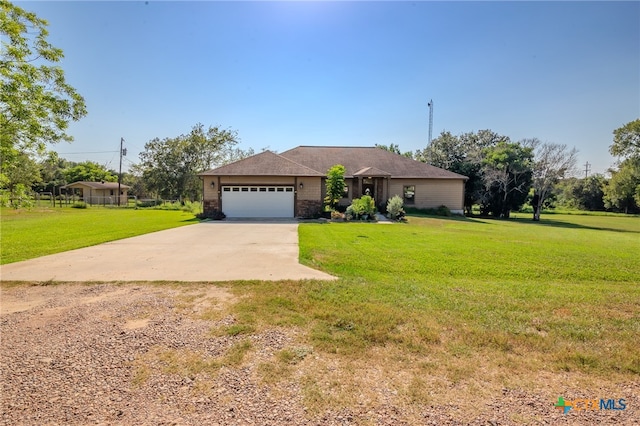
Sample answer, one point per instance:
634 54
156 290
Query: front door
368 187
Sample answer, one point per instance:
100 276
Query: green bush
361 207
394 208
79 205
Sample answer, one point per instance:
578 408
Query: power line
87 152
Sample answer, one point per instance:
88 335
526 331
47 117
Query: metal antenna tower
430 105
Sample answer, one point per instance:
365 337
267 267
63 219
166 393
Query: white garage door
257 201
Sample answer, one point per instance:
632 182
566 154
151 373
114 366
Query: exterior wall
432 193
101 196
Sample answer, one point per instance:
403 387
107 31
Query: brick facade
211 207
308 208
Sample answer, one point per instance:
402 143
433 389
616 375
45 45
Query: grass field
465 304
37 232
441 308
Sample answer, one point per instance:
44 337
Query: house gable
265 163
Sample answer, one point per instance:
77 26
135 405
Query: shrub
394 208
215 215
79 205
360 207
336 215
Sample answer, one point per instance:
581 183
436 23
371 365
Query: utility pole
122 152
587 169
430 105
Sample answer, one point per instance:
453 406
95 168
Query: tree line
37 104
505 175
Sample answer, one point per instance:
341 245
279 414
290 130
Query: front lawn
40 231
444 308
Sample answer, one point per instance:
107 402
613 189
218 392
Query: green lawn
435 309
441 297
31 233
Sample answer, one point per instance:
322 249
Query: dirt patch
164 354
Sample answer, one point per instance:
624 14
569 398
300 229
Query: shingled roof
316 160
97 185
356 159
265 163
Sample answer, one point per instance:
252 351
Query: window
226 189
345 194
245 189
236 189
409 194
263 189
272 190
254 189
289 189
280 189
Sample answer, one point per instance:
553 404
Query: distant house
105 193
292 183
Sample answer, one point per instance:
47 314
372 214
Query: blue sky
285 74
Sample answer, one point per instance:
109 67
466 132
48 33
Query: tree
52 169
507 170
552 163
170 167
17 180
463 155
88 171
395 148
582 194
623 191
335 185
36 102
626 140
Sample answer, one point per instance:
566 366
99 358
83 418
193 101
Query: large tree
552 163
36 102
17 180
507 170
582 194
463 154
170 166
623 191
626 140
89 171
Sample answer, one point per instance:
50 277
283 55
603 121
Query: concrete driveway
209 251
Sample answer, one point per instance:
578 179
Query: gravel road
137 354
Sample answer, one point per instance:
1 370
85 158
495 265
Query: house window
111 192
345 193
409 194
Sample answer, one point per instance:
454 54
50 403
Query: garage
257 201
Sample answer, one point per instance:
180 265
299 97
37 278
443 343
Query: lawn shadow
519 218
455 218
568 225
